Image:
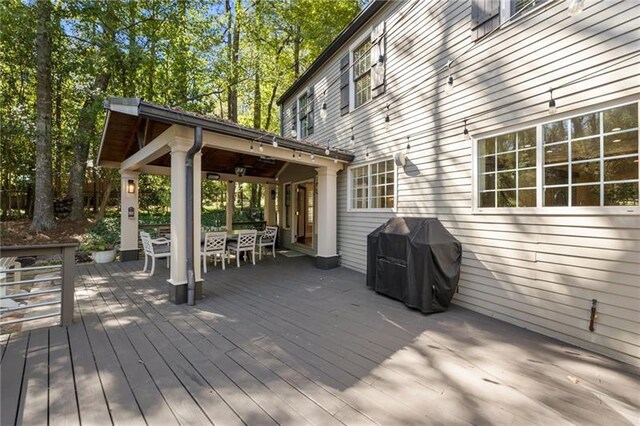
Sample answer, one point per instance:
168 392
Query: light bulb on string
294 154
299 155
261 148
251 147
465 132
353 138
552 103
574 7
327 150
275 142
313 157
387 119
448 88
366 154
323 111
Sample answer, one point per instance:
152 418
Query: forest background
59 60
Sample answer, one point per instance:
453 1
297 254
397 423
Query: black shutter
485 17
310 110
344 85
294 118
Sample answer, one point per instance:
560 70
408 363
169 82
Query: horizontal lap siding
537 271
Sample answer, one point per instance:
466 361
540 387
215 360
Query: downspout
191 277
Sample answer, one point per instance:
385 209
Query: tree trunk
105 199
85 133
296 54
257 100
233 42
43 212
272 99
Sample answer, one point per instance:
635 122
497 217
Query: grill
415 260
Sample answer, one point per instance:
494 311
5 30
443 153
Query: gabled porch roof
132 124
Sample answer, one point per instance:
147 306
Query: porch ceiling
221 161
132 124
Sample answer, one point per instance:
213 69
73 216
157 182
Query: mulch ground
17 233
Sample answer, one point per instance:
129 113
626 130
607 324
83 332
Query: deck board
11 374
284 343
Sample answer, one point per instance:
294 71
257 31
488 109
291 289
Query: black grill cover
415 260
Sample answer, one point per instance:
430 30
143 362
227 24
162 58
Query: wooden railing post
68 285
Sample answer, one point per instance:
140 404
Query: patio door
304 213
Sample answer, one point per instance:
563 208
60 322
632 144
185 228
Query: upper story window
487 15
586 160
362 73
363 69
305 114
372 186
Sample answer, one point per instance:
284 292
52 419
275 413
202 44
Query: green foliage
103 235
173 53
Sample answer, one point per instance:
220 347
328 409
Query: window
372 186
487 15
592 159
589 160
305 108
507 169
362 73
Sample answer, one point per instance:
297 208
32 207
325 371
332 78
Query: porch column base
178 293
128 255
330 262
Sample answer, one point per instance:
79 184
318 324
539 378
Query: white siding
539 271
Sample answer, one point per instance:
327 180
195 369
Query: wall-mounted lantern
131 186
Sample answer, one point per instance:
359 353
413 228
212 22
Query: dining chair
246 243
268 239
154 248
214 245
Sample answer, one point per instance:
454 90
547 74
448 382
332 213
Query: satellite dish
400 159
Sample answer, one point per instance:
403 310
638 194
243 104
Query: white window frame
350 187
352 84
505 9
541 209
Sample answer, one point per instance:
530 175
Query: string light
327 150
466 134
366 154
552 103
323 110
313 157
299 155
408 145
251 147
448 89
353 138
261 148
294 154
275 142
575 7
387 118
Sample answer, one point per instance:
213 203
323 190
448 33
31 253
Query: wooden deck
284 343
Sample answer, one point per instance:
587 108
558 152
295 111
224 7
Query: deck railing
63 272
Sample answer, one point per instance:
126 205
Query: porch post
197 218
178 274
231 191
270 205
326 220
128 215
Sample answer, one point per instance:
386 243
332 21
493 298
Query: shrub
103 235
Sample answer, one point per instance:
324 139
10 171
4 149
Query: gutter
191 277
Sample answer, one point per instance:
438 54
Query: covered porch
142 137
287 343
